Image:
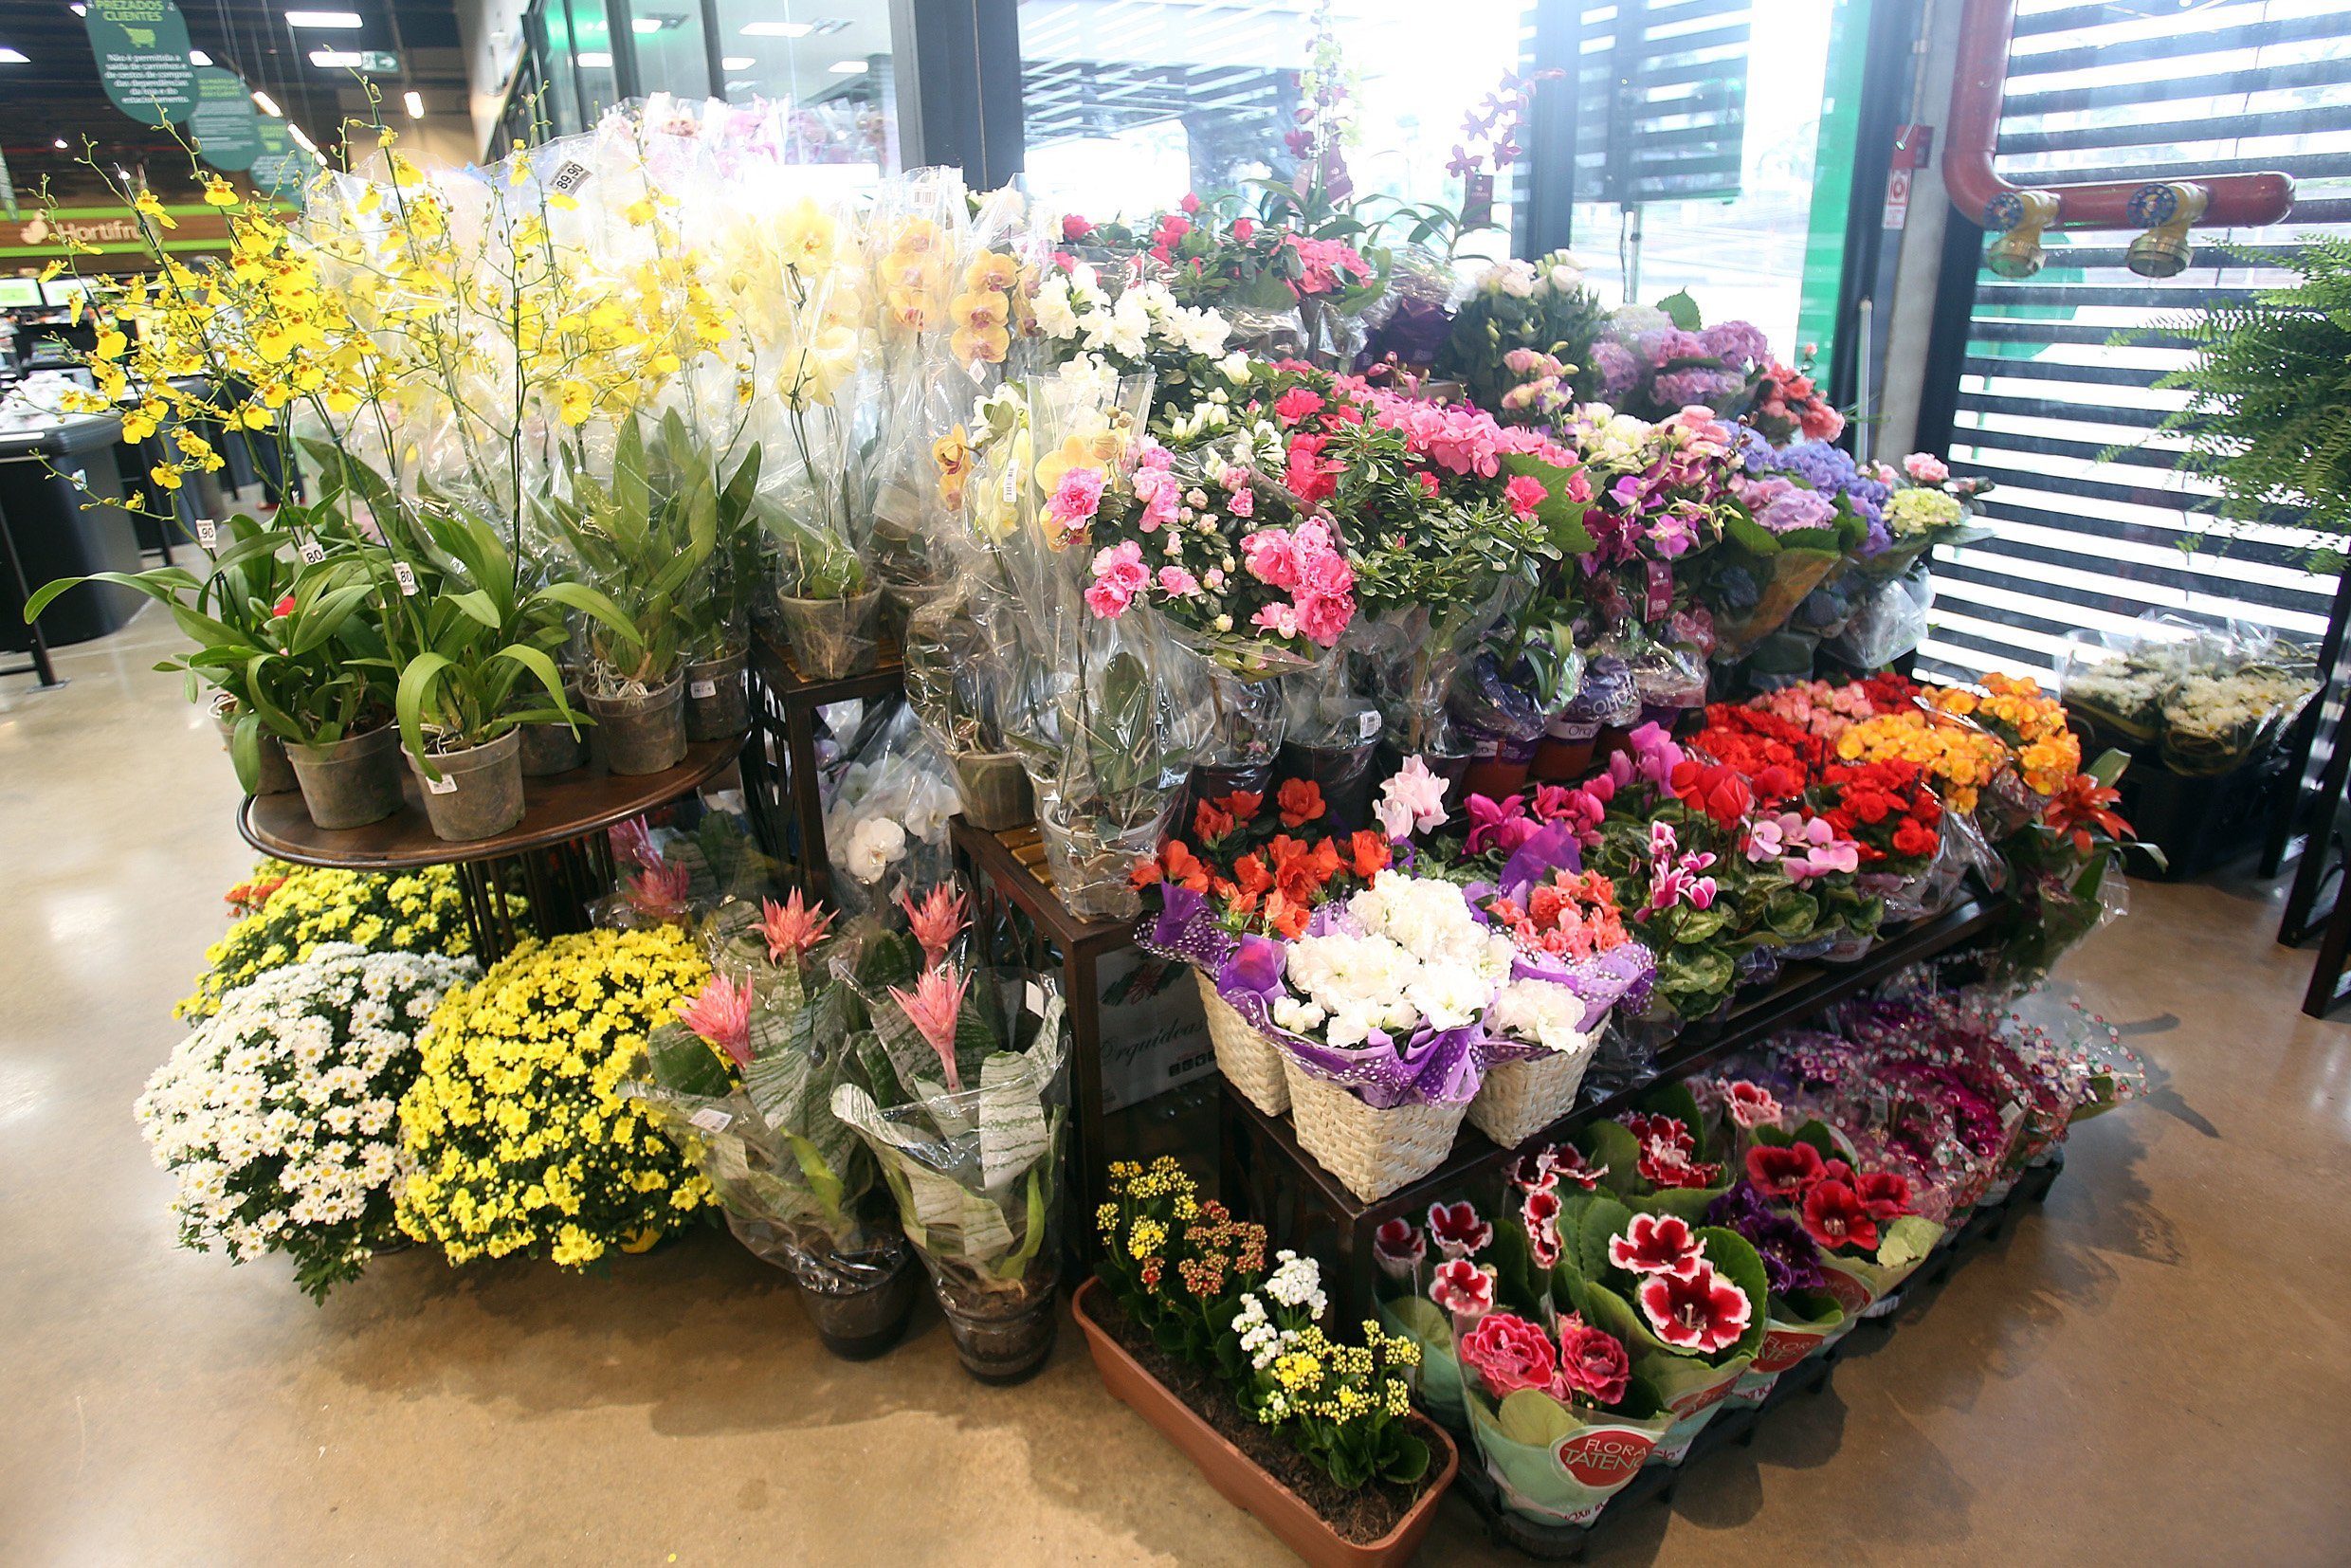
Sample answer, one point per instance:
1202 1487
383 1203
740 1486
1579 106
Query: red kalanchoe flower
1591 1364
1751 1104
1835 1216
1300 800
1701 1314
1783 1172
1457 1230
1509 1353
1539 1213
1463 1289
1885 1194
1243 803
1658 1244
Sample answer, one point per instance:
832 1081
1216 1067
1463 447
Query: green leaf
1680 310
417 686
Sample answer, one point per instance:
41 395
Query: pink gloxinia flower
1701 1314
933 1007
1464 1289
1658 1244
1751 1104
722 1014
1458 1230
792 927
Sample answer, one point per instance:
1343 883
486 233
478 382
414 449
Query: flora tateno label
1605 1458
1849 1292
1784 1347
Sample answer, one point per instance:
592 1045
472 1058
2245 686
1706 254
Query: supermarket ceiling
53 93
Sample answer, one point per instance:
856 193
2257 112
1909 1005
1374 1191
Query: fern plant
2269 414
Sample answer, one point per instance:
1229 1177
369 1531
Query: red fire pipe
1986 30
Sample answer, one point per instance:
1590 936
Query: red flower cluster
1841 1208
1573 915
1509 1354
1777 758
1668 1152
1266 879
1887 807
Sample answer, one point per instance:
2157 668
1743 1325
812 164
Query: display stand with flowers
780 762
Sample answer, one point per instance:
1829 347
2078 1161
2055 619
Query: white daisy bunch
278 1114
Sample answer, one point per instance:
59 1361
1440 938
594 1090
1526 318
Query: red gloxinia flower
1783 1172
1568 1162
1658 1244
1458 1230
1539 1213
1835 1216
1591 1364
1509 1354
1885 1194
1701 1314
1751 1104
1399 1242
1300 800
1463 1289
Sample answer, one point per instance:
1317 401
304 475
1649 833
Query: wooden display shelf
557 858
779 767
1262 1166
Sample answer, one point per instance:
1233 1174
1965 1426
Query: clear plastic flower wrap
1889 620
669 876
965 1114
886 814
958 683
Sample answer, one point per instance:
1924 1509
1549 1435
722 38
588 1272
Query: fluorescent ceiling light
336 59
595 59
777 29
11 56
847 67
344 20
79 9
197 57
268 105
59 144
415 101
737 62
301 140
655 23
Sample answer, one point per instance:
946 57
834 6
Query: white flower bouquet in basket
279 1114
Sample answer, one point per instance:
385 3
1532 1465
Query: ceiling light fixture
268 105
79 9
343 20
197 57
595 59
847 67
415 100
737 62
655 23
11 57
59 144
299 139
336 59
777 29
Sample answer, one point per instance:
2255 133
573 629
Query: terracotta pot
1238 1478
1494 777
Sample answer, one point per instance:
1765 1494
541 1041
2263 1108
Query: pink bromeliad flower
660 890
721 1014
935 921
933 1007
792 927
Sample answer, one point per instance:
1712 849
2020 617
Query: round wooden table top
555 809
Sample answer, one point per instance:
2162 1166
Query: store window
831 61
1129 104
666 36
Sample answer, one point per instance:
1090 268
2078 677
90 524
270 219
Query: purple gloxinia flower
1791 1258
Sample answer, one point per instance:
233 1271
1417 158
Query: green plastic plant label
141 50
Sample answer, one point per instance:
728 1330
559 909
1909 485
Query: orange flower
1300 800
1286 916
1300 872
1251 876
1209 824
1243 803
1184 867
1368 853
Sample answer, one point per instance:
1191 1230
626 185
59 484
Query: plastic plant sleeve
1559 1464
1889 620
886 819
1794 1330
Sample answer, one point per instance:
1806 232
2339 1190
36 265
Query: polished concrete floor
2155 1369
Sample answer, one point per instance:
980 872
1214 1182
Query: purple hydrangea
1736 343
1708 388
1673 343
1619 369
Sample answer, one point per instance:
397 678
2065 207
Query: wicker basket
1246 1057
1517 1100
1372 1152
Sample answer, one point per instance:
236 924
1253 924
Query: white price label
208 533
1011 484
711 1120
702 688
311 552
570 177
1034 994
1366 725
405 575
442 785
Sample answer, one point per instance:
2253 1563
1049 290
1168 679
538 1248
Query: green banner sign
279 167
225 126
141 48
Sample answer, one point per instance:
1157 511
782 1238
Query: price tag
405 575
445 784
570 177
1366 724
702 688
208 534
1012 483
311 551
711 1120
1034 996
